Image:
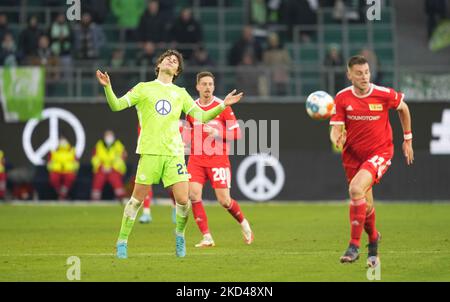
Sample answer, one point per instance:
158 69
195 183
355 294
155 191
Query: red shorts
219 177
377 165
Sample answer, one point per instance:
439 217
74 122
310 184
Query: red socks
202 220
200 216
369 226
357 220
148 200
235 211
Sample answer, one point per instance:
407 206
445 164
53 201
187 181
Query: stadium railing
80 85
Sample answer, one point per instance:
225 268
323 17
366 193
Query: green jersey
159 108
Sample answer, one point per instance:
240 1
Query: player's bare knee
140 192
224 201
356 191
195 195
181 199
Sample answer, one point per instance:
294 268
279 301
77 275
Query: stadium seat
234 17
358 34
333 34
211 34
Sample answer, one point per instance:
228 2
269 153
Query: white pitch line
206 254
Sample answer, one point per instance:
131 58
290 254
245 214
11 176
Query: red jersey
210 151
366 119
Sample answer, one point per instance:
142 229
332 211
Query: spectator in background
273 11
4 29
148 55
300 12
247 76
120 77
201 57
46 58
29 38
374 64
9 56
117 58
247 45
186 30
62 168
89 38
147 58
258 15
2 176
108 165
351 10
21 179
151 26
61 44
98 9
436 11
334 60
278 60
167 11
128 13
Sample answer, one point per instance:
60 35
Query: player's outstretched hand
103 78
232 98
210 130
408 152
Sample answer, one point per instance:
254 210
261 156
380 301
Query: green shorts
152 168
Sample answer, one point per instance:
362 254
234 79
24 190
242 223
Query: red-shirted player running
209 160
361 126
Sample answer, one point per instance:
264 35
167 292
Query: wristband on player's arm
407 136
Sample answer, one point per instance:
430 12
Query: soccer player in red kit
209 160
361 127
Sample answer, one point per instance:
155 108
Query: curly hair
168 53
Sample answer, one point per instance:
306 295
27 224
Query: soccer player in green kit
159 104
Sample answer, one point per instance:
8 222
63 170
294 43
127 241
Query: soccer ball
319 105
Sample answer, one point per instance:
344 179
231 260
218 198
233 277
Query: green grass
293 242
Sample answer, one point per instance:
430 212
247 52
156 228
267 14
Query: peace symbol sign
163 107
261 187
53 115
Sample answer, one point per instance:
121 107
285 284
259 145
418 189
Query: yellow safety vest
2 166
109 158
63 160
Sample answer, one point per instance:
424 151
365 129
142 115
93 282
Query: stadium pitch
293 242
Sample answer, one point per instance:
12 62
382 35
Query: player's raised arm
114 103
405 120
205 116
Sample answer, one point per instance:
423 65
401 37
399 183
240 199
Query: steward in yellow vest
108 165
62 167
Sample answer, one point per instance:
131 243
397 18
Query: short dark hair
168 53
357 60
203 74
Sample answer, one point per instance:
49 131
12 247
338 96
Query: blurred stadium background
277 52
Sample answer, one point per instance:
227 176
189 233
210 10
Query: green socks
182 217
129 216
